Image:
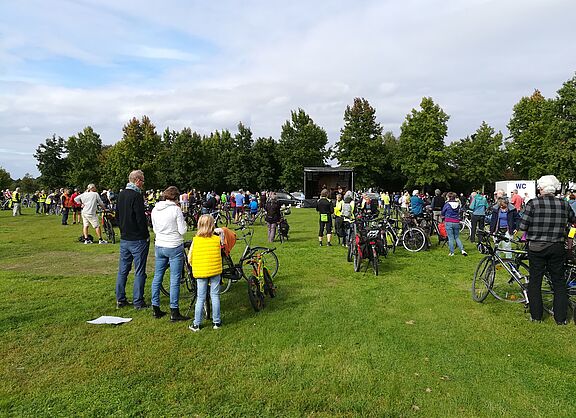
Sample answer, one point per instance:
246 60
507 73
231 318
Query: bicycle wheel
390 241
269 258
187 284
109 231
413 239
228 274
375 260
269 288
504 286
548 295
483 279
254 295
357 257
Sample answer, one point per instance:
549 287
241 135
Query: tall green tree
479 159
217 149
83 165
422 151
302 144
561 143
139 148
188 160
5 179
52 162
361 145
27 184
266 164
529 129
240 171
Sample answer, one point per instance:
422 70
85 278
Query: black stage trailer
330 178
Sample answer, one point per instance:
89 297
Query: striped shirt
545 219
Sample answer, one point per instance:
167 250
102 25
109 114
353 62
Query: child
253 207
206 261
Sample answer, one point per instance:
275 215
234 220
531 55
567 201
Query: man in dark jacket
326 210
134 241
545 219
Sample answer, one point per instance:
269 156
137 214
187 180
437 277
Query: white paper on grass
114 320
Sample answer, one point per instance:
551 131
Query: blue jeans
453 231
214 298
164 257
136 251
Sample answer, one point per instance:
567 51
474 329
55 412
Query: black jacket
131 217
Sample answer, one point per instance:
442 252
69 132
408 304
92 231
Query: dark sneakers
143 306
176 316
156 312
122 303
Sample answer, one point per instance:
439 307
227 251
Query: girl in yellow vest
206 261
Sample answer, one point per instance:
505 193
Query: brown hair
206 226
324 193
171 193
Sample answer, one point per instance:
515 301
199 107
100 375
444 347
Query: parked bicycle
505 278
232 272
107 220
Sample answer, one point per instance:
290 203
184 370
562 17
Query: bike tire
110 234
187 284
270 259
548 295
504 287
357 258
254 295
414 239
350 252
228 275
269 287
483 279
375 260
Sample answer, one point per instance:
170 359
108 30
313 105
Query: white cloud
257 61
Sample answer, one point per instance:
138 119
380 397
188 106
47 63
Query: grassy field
410 342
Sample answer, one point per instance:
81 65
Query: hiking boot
156 312
122 303
176 316
140 307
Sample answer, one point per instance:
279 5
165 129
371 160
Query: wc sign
526 188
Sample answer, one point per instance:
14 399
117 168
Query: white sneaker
194 328
217 326
451 254
87 241
102 241
464 253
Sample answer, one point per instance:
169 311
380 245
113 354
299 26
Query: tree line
542 141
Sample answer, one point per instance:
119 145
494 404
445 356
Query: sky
207 65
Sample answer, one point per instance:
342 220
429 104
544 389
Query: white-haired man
545 219
90 200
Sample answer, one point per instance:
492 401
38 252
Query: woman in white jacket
169 227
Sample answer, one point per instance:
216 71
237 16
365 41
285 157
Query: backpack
284 227
346 210
442 231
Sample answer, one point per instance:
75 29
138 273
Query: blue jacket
479 205
512 217
416 205
451 210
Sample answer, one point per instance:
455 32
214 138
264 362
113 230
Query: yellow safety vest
42 198
338 208
15 197
206 258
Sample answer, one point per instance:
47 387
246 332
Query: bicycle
369 242
259 282
413 237
505 279
232 272
466 222
106 219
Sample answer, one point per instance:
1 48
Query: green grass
410 342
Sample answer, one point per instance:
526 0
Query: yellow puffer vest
206 257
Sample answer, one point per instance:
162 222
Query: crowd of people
542 221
